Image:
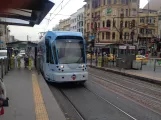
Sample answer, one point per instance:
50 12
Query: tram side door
46 66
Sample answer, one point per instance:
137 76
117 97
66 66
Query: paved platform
144 74
30 97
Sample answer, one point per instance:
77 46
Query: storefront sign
131 47
122 47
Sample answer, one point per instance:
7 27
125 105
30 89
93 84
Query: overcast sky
22 32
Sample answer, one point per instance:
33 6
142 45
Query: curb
129 75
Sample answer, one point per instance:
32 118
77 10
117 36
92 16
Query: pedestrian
15 61
19 62
2 96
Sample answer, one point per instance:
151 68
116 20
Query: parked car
111 57
3 54
89 57
142 58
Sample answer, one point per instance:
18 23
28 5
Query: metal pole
2 68
155 64
91 56
96 56
5 65
147 29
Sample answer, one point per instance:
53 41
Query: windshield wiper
79 60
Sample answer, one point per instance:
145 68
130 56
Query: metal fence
4 67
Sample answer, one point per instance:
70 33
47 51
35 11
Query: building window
133 23
103 24
142 30
115 2
92 15
113 35
142 20
121 24
126 36
103 36
88 6
98 25
104 2
126 12
109 2
122 1
127 2
114 23
108 23
126 24
107 35
88 26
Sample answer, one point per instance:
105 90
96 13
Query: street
109 96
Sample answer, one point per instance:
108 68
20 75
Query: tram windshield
70 51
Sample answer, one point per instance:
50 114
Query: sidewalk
147 73
30 97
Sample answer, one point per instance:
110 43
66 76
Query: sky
21 33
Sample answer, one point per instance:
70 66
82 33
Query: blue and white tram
63 56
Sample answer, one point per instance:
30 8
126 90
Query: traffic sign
1 42
109 10
91 37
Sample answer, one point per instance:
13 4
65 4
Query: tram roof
62 33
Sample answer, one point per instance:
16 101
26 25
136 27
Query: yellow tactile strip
40 109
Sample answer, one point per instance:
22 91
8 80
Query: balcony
104 29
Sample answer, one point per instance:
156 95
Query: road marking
40 109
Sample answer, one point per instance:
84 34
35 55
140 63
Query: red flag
2 111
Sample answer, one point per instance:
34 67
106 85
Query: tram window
51 58
54 52
47 54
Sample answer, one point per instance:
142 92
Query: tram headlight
61 66
82 66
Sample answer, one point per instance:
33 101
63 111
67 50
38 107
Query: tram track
73 106
144 88
98 101
130 89
145 100
133 118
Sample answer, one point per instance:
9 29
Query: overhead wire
61 9
58 12
52 14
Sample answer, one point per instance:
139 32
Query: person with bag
3 98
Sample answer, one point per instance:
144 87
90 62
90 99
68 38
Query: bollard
12 62
2 68
38 65
5 66
154 65
30 63
19 62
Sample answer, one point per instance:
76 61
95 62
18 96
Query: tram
63 57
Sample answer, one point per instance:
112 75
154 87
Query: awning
21 44
28 15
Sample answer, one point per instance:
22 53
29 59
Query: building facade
77 21
4 36
64 25
148 29
73 22
56 28
111 21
